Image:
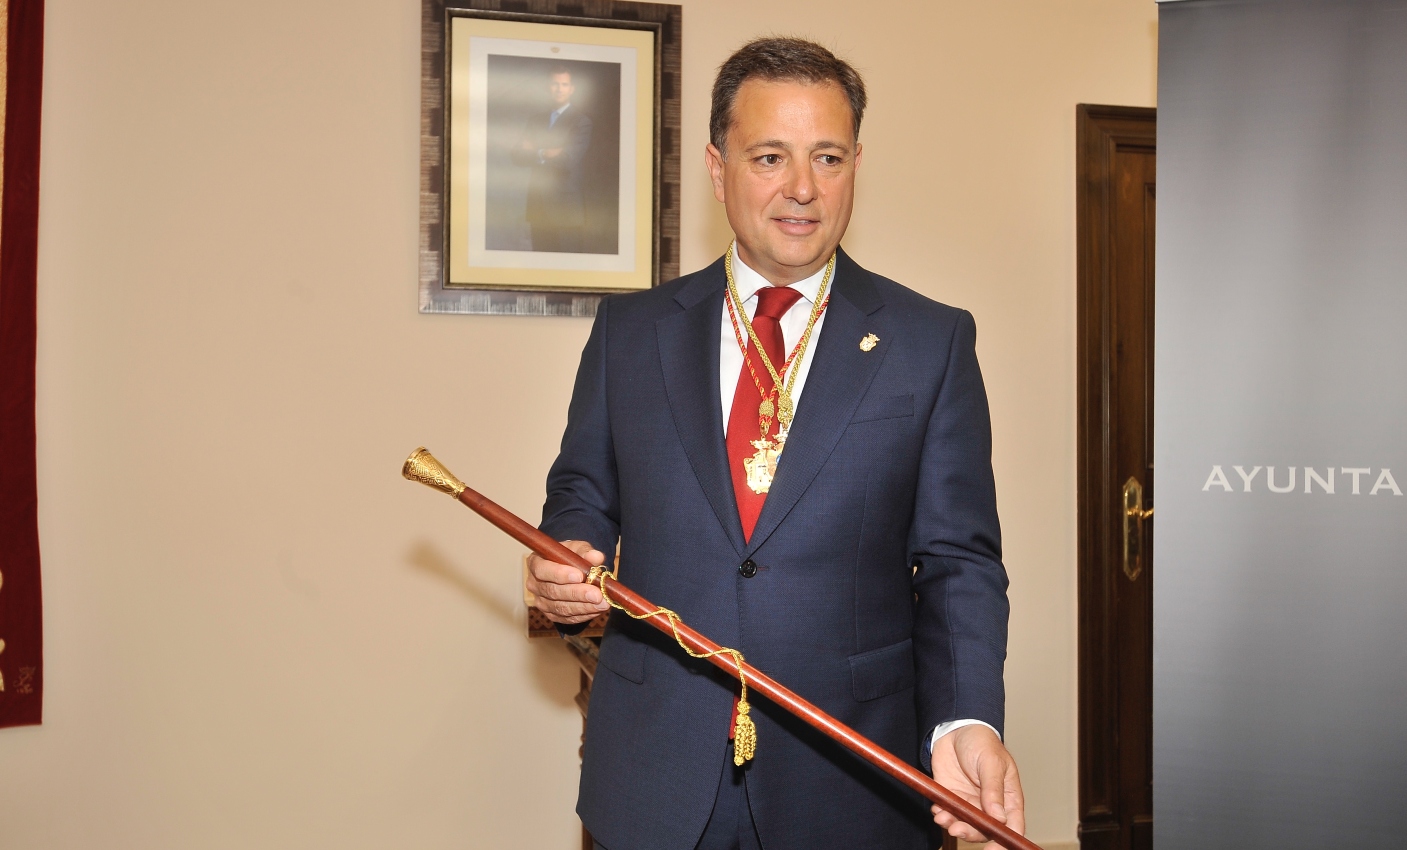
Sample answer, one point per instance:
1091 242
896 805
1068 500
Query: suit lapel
839 376
688 343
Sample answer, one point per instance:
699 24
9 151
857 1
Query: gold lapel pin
869 342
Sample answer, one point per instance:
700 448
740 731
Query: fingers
582 548
550 572
1000 798
574 605
1015 800
950 772
956 828
982 772
560 591
991 778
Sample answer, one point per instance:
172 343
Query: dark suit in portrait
554 147
872 583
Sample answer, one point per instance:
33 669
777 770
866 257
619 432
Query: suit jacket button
748 569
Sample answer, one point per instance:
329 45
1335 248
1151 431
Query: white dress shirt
551 122
730 364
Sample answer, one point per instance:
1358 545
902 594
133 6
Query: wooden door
1116 167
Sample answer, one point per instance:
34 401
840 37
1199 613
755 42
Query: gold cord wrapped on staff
422 467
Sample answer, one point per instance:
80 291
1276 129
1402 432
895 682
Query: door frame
1101 132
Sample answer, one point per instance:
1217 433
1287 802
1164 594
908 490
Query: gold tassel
744 731
744 735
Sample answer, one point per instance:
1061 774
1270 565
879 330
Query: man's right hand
561 591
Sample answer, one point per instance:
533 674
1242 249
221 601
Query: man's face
788 182
561 89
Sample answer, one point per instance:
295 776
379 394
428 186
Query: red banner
21 609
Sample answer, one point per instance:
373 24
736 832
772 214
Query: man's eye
769 159
830 159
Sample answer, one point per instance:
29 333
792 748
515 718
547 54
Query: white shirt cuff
944 728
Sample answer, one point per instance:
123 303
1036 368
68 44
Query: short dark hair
559 69
776 59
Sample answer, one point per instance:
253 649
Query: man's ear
713 159
859 154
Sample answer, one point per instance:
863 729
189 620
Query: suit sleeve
525 157
583 493
574 152
961 608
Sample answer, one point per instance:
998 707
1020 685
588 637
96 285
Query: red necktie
744 425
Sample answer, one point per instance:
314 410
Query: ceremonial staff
423 467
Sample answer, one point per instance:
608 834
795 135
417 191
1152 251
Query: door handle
1134 515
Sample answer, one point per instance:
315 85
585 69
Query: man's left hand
972 762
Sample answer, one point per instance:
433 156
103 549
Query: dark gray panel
1280 628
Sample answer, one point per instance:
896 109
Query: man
554 146
856 557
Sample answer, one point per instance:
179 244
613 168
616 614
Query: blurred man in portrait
554 146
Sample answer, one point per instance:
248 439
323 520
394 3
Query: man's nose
801 183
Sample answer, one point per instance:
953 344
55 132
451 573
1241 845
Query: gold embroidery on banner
25 685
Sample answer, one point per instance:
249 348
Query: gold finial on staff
421 466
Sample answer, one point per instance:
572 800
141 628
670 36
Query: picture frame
549 172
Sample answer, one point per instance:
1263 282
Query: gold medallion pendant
762 466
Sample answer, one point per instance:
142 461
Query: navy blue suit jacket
879 593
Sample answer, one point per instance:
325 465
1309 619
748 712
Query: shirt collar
558 112
749 281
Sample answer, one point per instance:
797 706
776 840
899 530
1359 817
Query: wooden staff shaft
758 681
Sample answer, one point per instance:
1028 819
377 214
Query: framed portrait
549 153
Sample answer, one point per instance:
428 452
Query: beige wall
257 634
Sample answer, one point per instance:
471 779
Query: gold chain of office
785 408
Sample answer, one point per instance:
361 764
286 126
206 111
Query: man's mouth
796 226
